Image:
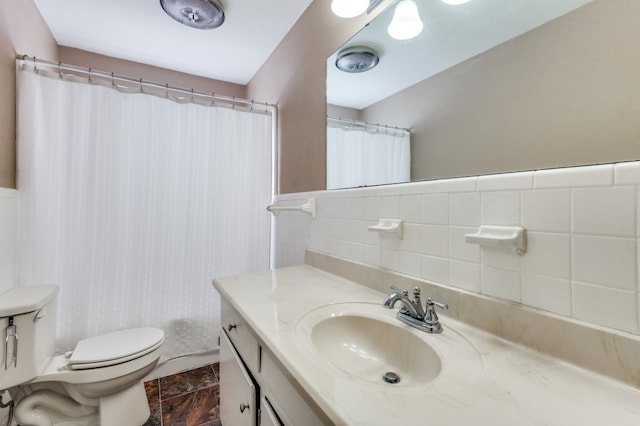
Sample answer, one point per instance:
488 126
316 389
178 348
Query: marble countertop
514 385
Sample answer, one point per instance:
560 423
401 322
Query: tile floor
190 398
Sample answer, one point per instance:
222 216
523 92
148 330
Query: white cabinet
245 362
238 402
268 416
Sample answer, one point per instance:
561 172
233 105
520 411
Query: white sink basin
365 342
369 348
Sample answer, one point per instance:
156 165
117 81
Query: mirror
494 86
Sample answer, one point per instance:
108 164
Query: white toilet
99 383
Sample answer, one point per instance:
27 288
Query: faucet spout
407 307
412 313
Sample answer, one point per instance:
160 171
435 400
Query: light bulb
406 23
454 2
349 8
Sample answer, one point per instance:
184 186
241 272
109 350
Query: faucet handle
440 305
404 291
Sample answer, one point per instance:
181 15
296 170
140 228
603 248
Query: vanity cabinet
254 390
238 401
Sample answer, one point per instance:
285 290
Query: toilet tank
27 332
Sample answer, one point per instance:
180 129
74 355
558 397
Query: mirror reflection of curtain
132 203
357 157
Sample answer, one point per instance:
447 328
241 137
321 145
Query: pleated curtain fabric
357 158
132 203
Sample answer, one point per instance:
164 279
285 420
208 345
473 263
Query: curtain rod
360 123
59 66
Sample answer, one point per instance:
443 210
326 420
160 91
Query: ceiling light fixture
357 59
349 8
200 14
406 23
455 2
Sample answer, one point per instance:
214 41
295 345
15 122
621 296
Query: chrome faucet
412 313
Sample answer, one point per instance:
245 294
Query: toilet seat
114 348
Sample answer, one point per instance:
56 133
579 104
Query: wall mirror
492 86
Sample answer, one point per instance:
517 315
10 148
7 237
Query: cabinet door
238 404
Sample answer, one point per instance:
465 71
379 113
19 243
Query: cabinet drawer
241 337
238 401
290 406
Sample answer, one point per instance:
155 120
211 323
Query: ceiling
140 31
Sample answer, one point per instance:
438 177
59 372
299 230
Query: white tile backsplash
411 209
547 210
605 211
464 275
572 177
435 269
506 181
502 283
547 293
435 209
605 306
548 254
583 235
464 209
606 261
627 173
500 208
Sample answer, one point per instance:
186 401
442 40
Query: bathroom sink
366 343
375 350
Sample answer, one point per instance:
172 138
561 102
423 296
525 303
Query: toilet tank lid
26 298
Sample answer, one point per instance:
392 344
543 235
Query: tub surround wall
8 238
582 229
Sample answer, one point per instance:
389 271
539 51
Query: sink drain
391 377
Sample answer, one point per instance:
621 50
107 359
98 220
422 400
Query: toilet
99 383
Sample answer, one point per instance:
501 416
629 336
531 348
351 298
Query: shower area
133 195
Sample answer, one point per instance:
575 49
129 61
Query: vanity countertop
515 385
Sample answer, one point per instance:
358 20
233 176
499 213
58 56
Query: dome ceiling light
200 14
357 59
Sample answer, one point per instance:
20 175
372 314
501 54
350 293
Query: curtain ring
191 94
141 91
90 80
166 94
59 69
233 105
213 98
251 110
35 68
113 81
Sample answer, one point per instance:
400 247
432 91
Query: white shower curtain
132 203
356 157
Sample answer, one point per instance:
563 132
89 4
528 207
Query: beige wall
564 94
22 31
294 77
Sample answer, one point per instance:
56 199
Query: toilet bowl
98 383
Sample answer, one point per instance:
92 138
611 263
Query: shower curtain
132 203
357 157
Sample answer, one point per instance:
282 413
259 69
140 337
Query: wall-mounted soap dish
391 228
508 237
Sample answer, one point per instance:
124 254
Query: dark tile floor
190 398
